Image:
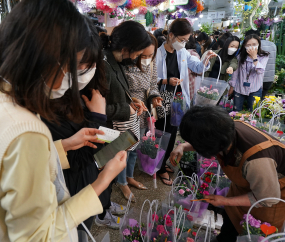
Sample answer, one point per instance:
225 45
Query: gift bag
210 89
178 108
253 233
151 150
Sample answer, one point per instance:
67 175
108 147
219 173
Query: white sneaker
117 209
110 221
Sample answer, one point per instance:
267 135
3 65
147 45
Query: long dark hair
93 54
191 44
243 54
130 35
37 39
219 43
224 51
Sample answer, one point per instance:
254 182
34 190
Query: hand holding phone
123 142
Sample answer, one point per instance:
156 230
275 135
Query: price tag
109 136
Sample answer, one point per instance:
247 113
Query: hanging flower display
132 4
142 10
154 2
200 7
117 13
190 5
114 3
102 6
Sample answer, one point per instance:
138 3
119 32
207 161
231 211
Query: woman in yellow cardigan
41 42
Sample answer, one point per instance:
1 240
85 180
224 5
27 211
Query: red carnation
208 180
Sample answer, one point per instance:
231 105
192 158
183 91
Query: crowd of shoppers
61 78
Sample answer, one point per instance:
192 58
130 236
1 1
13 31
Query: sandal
138 185
163 178
127 196
169 169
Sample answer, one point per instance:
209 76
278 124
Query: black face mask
129 62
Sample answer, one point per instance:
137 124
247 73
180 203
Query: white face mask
84 79
146 62
231 51
252 47
178 46
59 92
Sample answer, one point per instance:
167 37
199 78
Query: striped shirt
140 82
255 77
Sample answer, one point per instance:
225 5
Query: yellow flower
257 99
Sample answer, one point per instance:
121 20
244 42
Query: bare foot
165 178
127 192
136 184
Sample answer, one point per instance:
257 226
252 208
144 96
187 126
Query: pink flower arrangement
181 191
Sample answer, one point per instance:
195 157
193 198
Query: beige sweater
33 195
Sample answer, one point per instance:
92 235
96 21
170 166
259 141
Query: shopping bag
151 150
253 231
210 89
178 108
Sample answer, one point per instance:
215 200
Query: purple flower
126 232
268 224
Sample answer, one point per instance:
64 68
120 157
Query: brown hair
34 38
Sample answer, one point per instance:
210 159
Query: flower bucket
210 89
178 109
151 150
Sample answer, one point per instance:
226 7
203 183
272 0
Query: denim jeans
239 100
131 162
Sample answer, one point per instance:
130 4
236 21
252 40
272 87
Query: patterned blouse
139 83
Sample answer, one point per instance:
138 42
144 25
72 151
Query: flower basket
151 151
210 90
255 230
178 109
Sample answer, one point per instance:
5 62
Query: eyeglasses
182 41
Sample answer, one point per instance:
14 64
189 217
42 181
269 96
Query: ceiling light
201 16
276 18
199 25
232 21
136 11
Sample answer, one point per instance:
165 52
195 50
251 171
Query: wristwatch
255 60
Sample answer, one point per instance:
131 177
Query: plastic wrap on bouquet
178 109
253 238
206 235
151 151
200 100
210 89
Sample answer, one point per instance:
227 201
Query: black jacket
83 170
117 100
